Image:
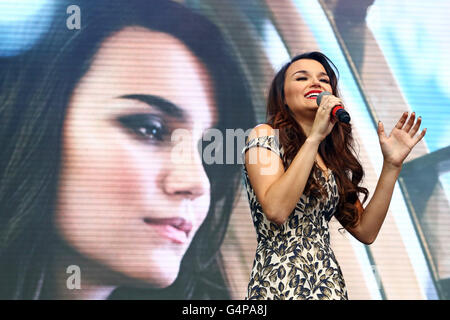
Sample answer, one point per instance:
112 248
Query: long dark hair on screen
35 87
337 149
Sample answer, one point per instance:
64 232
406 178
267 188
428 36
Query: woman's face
304 79
126 201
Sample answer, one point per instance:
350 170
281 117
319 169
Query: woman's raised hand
402 139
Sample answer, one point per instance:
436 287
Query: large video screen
122 125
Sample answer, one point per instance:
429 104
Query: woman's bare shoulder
261 130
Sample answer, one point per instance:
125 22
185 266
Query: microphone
337 111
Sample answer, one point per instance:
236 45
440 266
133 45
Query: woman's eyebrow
162 104
306 72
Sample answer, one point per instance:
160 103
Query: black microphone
337 111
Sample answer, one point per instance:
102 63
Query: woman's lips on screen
175 229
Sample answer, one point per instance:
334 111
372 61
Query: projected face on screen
124 205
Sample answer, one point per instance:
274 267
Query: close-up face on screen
125 126
117 156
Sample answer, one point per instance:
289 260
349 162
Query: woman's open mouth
313 94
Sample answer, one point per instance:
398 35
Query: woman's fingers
416 127
420 136
410 122
411 128
381 132
330 103
402 120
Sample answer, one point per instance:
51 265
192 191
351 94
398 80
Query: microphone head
343 116
320 96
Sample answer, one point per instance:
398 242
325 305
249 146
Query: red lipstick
315 92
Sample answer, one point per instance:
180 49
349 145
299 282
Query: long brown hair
336 149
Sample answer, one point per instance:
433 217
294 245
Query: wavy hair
337 149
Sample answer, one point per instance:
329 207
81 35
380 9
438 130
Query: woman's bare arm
277 190
372 217
395 149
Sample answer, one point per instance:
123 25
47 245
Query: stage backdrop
129 92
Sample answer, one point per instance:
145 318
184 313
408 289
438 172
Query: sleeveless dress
294 260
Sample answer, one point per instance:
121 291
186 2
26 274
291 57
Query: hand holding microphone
337 111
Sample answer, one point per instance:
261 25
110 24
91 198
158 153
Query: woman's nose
187 179
315 82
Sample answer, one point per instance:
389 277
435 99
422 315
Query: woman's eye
145 126
304 78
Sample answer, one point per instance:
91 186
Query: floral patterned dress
295 260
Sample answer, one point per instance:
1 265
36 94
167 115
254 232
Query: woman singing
300 170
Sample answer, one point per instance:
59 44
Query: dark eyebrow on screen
160 103
306 72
